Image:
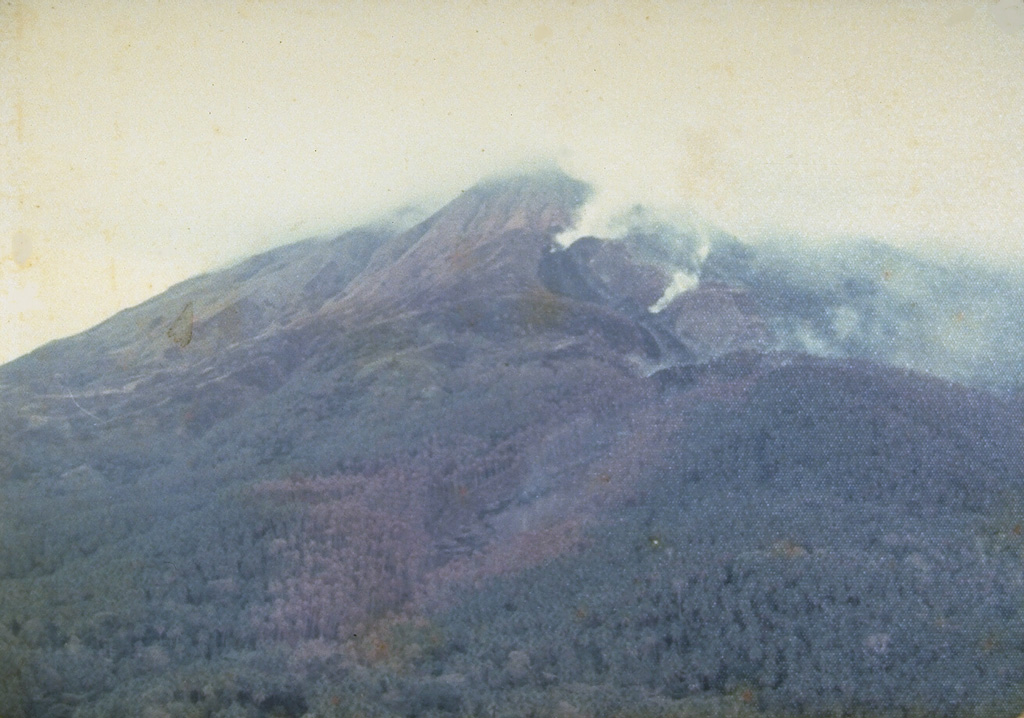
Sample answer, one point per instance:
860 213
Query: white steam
681 282
614 216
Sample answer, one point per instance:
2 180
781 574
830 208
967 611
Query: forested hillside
458 469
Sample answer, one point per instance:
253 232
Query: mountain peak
542 201
488 240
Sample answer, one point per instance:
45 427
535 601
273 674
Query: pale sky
143 142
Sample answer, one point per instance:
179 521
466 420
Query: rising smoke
854 298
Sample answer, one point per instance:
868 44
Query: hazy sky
143 142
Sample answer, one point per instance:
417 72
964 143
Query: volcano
467 468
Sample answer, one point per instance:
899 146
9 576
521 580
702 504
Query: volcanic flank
463 469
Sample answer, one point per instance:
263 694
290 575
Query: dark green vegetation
449 471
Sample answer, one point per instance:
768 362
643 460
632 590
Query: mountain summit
485 242
459 469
